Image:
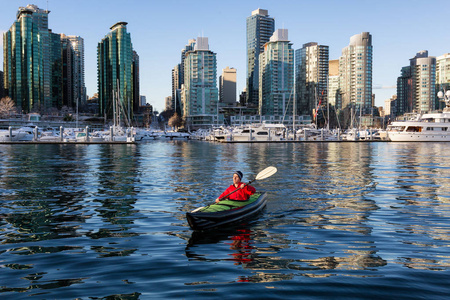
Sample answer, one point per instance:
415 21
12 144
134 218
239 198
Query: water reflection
109 220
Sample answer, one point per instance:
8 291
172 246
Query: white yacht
263 132
431 127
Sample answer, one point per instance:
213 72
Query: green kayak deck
229 204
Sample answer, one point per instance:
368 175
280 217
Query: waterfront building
142 100
176 89
32 61
73 85
227 87
416 86
199 93
333 90
311 74
404 101
2 87
168 103
136 88
442 76
276 76
117 73
260 27
355 71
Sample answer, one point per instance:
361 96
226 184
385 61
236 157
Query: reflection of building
227 86
199 93
260 28
355 71
117 72
276 75
311 72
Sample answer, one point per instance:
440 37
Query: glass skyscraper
35 63
276 76
199 93
260 28
116 68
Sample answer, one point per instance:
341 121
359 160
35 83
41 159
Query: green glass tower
32 61
23 62
117 67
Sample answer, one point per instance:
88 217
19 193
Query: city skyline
160 30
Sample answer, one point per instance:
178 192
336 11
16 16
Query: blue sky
160 29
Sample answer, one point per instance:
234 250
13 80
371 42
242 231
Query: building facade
199 93
74 89
27 73
355 71
2 86
260 27
334 90
404 102
311 74
442 76
276 76
227 87
117 76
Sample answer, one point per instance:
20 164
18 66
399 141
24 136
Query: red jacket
242 194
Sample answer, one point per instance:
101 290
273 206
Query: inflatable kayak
225 212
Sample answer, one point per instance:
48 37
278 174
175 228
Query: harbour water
343 221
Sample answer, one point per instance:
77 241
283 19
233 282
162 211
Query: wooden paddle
267 172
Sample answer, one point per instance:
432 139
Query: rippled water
343 220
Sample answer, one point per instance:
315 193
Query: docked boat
263 132
226 212
431 127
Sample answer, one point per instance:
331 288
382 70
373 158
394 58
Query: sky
160 29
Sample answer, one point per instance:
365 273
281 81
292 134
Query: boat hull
199 220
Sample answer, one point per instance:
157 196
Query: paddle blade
267 172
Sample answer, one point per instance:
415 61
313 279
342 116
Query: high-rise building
117 67
136 87
423 72
260 28
189 47
334 97
168 103
404 101
355 71
416 86
142 100
199 93
2 87
276 76
32 61
176 89
43 69
227 86
74 89
311 69
442 75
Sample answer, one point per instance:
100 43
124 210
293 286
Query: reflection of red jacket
242 194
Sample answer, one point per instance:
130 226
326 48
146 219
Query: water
343 221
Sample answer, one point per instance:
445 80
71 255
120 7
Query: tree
175 121
7 107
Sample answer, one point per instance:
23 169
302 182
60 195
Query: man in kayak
243 191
